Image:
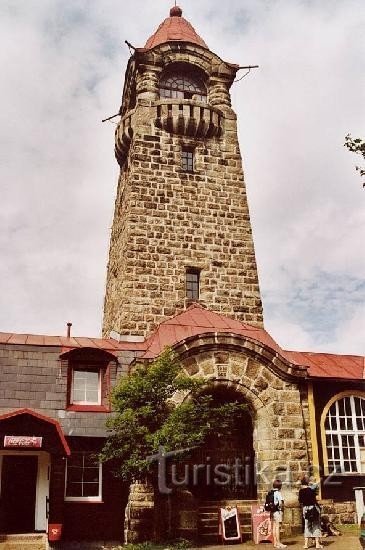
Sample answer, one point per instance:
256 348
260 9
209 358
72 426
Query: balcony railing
123 137
188 118
184 117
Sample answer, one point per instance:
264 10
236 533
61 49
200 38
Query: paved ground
348 541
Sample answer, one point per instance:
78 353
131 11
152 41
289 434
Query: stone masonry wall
279 412
167 220
280 439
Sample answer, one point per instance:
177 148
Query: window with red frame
88 379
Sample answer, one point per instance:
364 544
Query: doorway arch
223 467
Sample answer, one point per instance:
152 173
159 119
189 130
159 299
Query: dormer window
88 379
183 86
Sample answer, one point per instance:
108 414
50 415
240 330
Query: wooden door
18 493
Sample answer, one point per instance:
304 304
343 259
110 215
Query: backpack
312 513
270 505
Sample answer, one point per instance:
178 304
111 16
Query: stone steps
208 522
32 541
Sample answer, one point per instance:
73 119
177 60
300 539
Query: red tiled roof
47 419
328 365
175 28
196 321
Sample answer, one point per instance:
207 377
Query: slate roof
107 344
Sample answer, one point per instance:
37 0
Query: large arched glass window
182 86
345 435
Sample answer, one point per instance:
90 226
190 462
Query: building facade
181 273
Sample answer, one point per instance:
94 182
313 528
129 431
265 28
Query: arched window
345 435
182 86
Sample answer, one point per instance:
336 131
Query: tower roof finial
175 11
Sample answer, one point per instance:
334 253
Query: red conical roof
175 28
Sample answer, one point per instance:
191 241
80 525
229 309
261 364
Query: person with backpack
275 505
311 513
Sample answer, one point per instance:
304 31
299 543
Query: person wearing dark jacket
311 513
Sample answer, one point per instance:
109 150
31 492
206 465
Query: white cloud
62 72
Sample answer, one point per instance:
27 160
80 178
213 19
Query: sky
62 69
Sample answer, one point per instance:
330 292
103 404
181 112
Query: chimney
69 325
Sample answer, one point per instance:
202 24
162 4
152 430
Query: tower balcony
187 117
123 137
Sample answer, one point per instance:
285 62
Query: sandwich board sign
229 524
261 525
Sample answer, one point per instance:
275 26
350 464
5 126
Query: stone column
219 95
147 83
139 512
185 515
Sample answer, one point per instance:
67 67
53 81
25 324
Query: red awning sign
22 441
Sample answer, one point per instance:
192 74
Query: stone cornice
218 341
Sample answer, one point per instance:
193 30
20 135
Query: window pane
347 404
91 489
83 475
75 460
92 396
341 407
78 395
85 386
91 474
74 490
362 402
90 460
74 475
360 424
91 378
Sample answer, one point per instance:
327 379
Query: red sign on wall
22 441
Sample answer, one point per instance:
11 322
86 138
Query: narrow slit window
187 159
192 284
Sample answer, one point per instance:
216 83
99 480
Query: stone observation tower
181 274
181 231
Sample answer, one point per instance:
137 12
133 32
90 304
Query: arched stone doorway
224 467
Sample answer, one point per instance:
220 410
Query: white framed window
83 478
86 387
345 435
